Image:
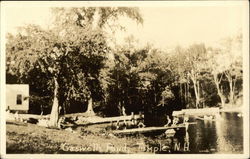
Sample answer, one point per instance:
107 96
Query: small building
17 97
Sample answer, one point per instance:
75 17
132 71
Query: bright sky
163 26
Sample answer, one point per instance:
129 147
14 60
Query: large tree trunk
219 90
185 93
90 110
180 85
120 107
188 95
222 98
196 91
199 94
231 96
231 87
54 115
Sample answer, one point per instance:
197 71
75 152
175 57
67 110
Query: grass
25 138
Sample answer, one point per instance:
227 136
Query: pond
224 134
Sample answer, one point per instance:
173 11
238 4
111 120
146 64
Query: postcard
140 79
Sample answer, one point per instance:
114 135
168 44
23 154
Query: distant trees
125 88
226 62
233 72
198 66
189 64
214 63
195 64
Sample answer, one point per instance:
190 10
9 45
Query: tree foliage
72 54
71 67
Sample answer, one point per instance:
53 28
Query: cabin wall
17 97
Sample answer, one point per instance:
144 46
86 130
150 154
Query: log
100 120
34 116
84 114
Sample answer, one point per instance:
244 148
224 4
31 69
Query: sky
164 26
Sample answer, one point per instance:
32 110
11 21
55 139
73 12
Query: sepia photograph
164 78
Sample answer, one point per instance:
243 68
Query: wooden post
132 115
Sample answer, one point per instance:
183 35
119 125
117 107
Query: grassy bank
30 138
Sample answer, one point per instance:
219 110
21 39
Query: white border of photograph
245 21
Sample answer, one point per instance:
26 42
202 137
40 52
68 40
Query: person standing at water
168 121
175 121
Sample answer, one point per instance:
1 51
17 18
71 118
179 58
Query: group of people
175 121
139 122
124 124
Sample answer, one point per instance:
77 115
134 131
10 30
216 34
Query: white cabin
17 97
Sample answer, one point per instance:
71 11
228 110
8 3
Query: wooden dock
149 129
232 109
202 111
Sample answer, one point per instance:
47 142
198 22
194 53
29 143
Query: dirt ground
31 138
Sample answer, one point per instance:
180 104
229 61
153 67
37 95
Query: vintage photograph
125 78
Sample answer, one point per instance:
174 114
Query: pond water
224 134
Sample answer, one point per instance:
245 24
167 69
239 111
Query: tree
225 65
215 65
180 67
232 49
124 90
89 58
195 59
78 57
33 48
226 62
167 96
96 18
78 20
192 76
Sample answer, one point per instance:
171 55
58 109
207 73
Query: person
125 124
141 125
123 111
168 121
175 121
8 114
134 123
185 120
16 116
117 125
60 122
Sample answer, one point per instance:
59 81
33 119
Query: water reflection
229 131
223 134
